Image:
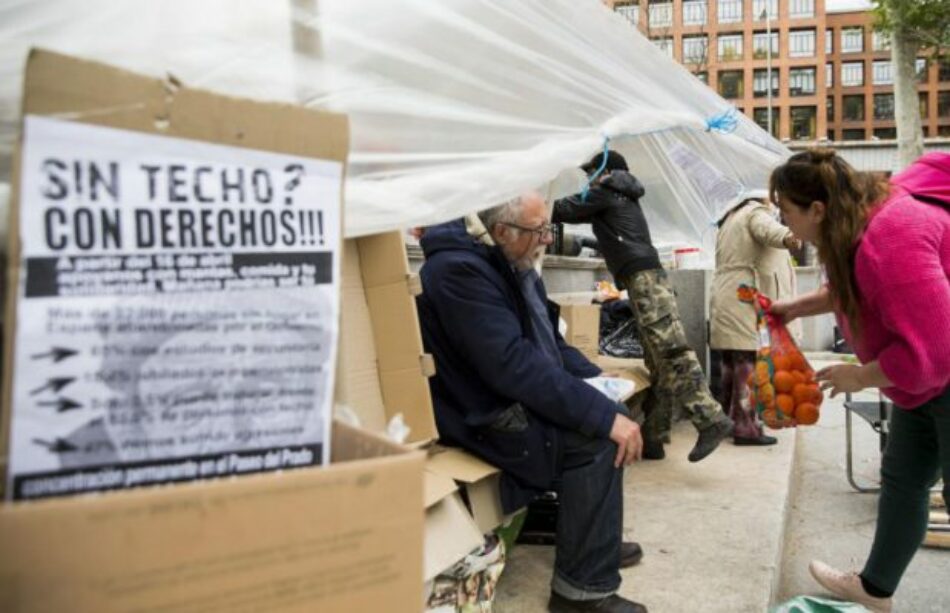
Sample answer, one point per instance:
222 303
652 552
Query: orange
761 372
784 381
781 362
785 404
799 376
797 361
771 419
766 394
805 392
806 413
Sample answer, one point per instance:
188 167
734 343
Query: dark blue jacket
475 322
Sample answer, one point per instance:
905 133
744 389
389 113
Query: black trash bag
619 334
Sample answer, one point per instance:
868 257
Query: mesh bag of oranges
782 385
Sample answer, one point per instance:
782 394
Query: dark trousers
918 450
590 519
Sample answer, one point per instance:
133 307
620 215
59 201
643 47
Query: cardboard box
347 537
381 341
583 327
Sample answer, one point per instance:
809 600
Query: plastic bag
782 385
814 604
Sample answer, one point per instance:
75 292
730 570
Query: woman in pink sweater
886 251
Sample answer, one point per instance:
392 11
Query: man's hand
840 378
626 433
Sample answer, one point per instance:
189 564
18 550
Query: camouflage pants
676 379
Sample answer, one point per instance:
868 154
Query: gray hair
507 212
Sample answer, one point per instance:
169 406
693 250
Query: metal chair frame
877 415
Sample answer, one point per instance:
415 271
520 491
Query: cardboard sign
177 303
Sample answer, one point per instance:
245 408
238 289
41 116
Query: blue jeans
590 519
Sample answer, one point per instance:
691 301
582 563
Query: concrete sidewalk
711 532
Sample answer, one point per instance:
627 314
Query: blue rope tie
724 122
593 177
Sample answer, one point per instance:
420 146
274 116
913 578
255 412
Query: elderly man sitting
510 390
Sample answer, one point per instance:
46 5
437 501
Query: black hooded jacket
613 210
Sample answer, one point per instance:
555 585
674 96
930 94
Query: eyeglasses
542 231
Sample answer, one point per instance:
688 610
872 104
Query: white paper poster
177 313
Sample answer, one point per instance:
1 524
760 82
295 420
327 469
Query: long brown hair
819 174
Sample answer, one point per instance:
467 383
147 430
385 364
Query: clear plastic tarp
454 105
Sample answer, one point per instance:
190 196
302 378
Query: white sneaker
847 586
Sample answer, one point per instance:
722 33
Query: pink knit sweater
902 268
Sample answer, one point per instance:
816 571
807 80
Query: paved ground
711 532
735 532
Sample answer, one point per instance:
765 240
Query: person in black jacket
612 207
511 391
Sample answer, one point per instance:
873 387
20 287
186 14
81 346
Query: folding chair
877 415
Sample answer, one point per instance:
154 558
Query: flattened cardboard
480 480
633 369
450 535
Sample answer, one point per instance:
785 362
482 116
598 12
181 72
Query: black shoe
759 441
709 439
610 604
653 450
630 554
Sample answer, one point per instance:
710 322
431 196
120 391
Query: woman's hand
784 310
840 378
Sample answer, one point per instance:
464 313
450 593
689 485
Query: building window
943 130
631 12
665 45
885 133
880 41
761 117
695 49
801 82
852 134
730 47
801 8
944 70
829 74
703 76
943 104
924 107
730 84
804 120
730 11
760 6
760 44
920 68
801 43
694 13
852 73
852 108
661 15
760 82
881 73
883 106
830 108
829 40
852 40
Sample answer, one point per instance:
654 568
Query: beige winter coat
750 250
